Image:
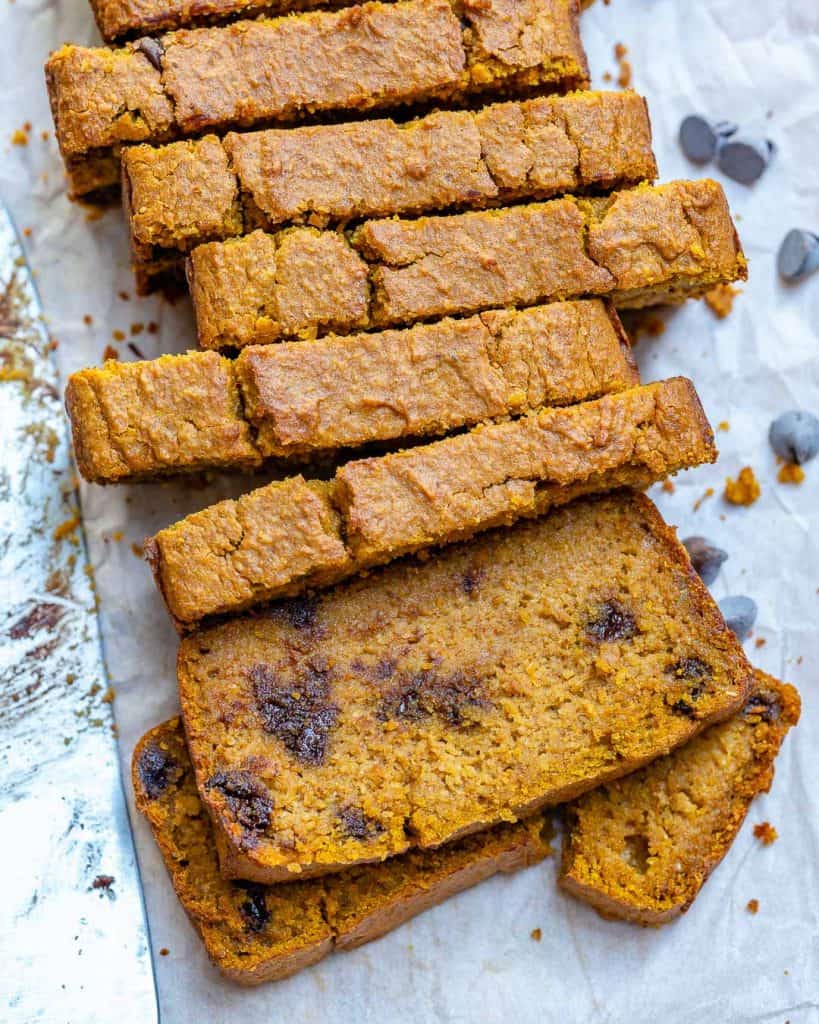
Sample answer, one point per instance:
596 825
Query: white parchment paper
753 61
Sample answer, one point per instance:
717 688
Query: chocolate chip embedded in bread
246 796
152 49
695 675
611 621
296 710
358 825
157 770
765 704
454 697
254 910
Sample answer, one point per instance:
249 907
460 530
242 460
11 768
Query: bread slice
438 698
136 421
290 535
641 848
254 933
280 70
189 192
643 246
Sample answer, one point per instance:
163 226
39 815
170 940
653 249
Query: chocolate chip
471 581
696 674
156 770
254 909
706 558
612 621
794 436
358 825
152 49
296 711
452 697
699 137
765 704
798 255
246 796
739 613
744 159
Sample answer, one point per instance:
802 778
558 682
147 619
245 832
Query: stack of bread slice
407 228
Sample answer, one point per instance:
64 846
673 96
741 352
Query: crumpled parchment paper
752 61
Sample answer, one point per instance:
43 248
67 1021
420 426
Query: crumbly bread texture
290 535
434 699
642 847
135 421
279 70
190 192
643 246
255 933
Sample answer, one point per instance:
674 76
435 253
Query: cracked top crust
427 696
641 848
434 494
333 173
255 933
255 71
641 246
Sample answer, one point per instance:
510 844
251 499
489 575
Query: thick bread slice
274 541
642 847
254 933
136 421
438 698
643 246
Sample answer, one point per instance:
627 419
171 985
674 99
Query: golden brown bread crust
268 70
642 246
187 193
641 848
135 421
436 698
381 508
199 410
255 934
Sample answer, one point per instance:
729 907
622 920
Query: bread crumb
66 528
760 641
765 833
109 352
709 493
19 138
606 76
752 906
720 300
137 329
790 473
117 536
118 335
724 426
137 550
164 951
668 486
624 74
744 490
153 327
88 319
108 696
124 296
536 934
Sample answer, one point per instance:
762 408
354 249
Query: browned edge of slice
254 933
619 853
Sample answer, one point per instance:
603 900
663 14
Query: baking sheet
473 959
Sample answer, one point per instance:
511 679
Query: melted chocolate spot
613 621
157 770
246 796
296 711
426 693
765 704
698 673
152 49
300 613
358 825
254 909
